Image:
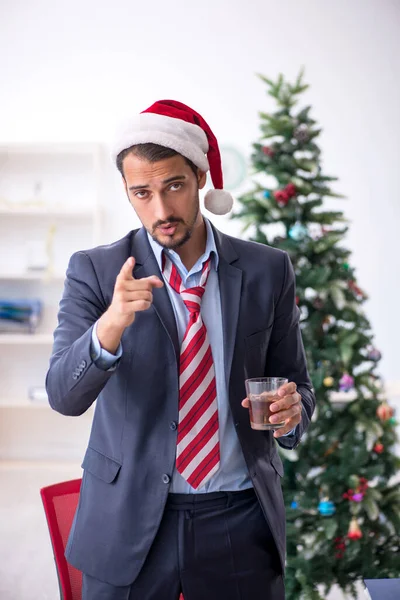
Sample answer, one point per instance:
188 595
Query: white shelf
25 404
45 211
32 276
22 403
42 339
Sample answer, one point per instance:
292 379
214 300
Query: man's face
165 196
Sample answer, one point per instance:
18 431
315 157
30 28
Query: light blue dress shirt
232 474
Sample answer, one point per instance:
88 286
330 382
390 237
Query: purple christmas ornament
357 497
374 354
346 383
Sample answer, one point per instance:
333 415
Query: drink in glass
262 392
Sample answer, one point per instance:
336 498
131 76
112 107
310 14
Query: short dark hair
151 153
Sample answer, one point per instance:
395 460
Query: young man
163 327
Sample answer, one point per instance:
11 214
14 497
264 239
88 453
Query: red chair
60 501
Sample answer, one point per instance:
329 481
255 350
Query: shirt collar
211 250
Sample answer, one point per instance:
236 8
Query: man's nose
161 209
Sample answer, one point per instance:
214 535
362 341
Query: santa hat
174 125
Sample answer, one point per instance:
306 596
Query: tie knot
192 298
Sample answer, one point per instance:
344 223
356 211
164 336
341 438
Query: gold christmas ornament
328 381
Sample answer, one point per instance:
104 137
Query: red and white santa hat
174 125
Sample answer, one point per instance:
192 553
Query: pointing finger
155 281
127 268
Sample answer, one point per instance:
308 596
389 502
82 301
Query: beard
180 239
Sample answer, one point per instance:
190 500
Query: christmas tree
342 501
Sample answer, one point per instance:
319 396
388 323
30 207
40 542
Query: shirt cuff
289 433
103 359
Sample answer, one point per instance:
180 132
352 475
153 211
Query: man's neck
190 252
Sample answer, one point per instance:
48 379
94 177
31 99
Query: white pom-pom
218 202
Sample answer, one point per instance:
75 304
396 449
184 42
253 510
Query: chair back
60 501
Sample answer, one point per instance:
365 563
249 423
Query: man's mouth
168 229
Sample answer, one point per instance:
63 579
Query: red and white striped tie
197 456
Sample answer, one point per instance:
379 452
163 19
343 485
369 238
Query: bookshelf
50 207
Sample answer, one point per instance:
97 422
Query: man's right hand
130 296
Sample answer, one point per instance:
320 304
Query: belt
193 501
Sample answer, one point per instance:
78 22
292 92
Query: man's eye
175 187
141 195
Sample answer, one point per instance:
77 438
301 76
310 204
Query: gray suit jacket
131 451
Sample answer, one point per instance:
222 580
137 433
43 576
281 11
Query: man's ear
201 178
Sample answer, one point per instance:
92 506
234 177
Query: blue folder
17 312
383 589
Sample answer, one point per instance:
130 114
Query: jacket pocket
277 463
100 465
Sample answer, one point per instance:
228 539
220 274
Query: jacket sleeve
286 355
73 381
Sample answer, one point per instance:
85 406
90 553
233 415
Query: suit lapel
230 286
146 265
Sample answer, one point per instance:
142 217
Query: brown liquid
260 412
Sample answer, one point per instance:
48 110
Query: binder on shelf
17 315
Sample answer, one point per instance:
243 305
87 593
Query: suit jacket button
166 478
173 425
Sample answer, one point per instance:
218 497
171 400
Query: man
162 328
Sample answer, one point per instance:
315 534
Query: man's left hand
287 409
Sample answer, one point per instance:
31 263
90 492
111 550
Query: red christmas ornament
285 195
356 290
354 532
291 189
281 197
348 495
268 151
379 448
297 300
384 411
340 547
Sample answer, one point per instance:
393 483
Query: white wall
69 71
